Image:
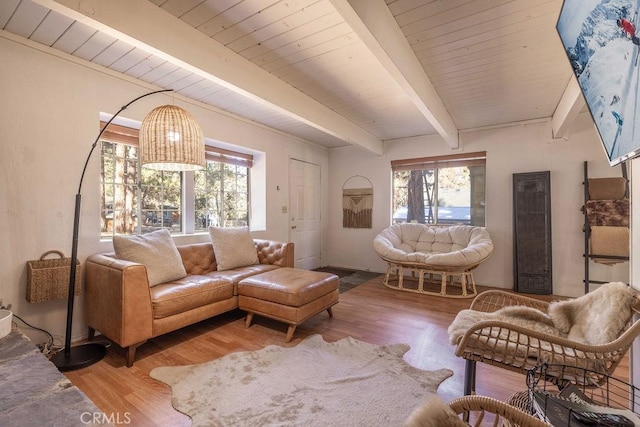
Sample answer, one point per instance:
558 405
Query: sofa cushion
156 251
188 293
198 258
235 275
233 247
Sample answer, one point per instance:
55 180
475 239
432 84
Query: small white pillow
233 247
156 250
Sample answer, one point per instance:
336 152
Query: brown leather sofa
121 305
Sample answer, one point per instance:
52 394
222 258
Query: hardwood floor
370 313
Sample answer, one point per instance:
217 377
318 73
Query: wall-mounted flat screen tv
601 42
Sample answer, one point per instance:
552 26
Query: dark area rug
349 279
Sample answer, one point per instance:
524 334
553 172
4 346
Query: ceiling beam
375 25
146 26
567 109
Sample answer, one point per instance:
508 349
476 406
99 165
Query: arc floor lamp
170 139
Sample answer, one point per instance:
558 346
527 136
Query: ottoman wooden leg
248 320
290 331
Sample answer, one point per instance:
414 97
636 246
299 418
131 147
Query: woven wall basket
48 279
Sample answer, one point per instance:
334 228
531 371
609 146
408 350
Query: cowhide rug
344 383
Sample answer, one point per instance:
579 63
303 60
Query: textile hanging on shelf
357 205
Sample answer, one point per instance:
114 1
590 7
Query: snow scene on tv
601 43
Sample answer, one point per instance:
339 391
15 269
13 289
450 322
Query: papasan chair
448 252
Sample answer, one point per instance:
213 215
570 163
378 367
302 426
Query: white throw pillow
233 247
156 250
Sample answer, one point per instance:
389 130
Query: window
440 190
222 190
138 200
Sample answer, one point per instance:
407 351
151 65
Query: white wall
50 112
512 149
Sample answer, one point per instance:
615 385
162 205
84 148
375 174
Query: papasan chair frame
450 252
470 411
519 349
505 414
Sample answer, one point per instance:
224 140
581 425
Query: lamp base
80 356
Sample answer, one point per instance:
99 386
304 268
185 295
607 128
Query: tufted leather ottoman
290 295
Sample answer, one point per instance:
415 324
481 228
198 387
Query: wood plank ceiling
332 72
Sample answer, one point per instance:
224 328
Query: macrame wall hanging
357 202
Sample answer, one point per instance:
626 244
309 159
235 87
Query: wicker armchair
505 414
519 349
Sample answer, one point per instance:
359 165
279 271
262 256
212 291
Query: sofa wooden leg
290 331
92 333
248 320
330 311
131 353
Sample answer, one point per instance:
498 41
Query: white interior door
304 202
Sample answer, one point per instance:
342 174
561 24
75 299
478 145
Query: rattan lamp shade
171 139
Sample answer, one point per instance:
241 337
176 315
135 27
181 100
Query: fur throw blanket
525 317
434 413
595 318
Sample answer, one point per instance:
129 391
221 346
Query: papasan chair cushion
455 247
